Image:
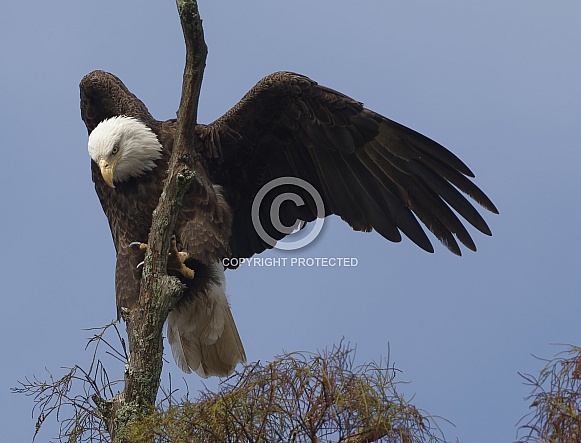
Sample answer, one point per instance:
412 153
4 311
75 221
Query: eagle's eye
115 149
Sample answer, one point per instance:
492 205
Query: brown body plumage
372 172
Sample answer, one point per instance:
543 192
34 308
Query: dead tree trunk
159 292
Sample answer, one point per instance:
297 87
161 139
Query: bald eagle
372 172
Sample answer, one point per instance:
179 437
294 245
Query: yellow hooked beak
107 171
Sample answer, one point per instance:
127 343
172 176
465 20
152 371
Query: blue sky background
497 82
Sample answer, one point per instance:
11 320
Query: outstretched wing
371 171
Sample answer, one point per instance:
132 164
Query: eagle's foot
176 260
137 247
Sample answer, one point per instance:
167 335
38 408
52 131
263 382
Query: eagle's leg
176 259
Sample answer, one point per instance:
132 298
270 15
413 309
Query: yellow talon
176 261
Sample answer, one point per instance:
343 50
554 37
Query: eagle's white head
123 147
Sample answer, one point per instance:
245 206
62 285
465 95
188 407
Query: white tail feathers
203 336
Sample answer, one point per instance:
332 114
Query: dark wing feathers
104 96
372 172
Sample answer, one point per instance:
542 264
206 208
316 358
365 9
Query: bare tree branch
159 292
77 399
